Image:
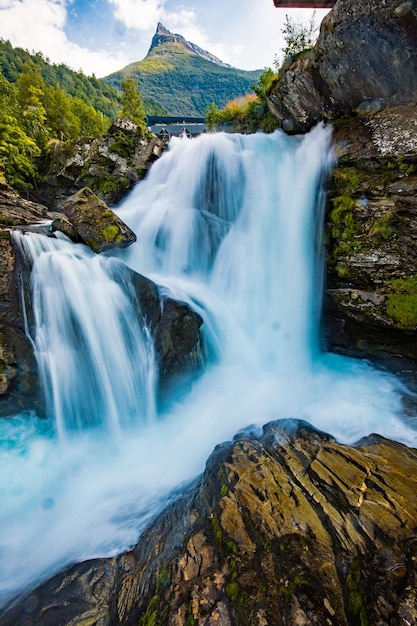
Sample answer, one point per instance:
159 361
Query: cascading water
94 356
230 224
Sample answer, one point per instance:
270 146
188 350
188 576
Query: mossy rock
95 224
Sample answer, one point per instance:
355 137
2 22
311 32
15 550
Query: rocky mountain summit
183 78
284 528
163 36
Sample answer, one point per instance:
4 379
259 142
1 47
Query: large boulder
175 327
94 223
285 528
365 60
109 165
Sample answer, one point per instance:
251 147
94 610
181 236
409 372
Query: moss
141 172
342 269
402 301
348 180
355 594
191 621
123 145
110 232
286 592
226 545
152 615
342 501
403 309
383 229
233 590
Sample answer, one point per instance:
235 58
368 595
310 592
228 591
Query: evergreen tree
132 103
17 153
60 117
30 92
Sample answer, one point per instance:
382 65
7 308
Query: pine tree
132 104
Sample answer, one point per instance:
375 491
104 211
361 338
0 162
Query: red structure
305 4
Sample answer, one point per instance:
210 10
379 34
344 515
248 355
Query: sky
103 36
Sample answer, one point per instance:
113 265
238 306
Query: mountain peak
163 36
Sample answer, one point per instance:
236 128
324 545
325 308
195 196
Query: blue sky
102 36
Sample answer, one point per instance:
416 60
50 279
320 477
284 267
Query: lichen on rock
94 223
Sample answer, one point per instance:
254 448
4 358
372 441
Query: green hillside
182 81
93 91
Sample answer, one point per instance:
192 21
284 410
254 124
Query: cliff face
365 59
282 529
362 77
371 236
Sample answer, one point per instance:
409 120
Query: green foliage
60 117
402 301
384 228
17 153
132 103
37 113
298 36
348 180
245 115
92 123
92 91
123 144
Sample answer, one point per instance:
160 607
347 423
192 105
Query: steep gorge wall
361 76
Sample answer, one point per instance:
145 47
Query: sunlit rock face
287 527
365 60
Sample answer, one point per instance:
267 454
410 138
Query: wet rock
365 60
289 527
109 165
16 211
94 223
19 384
175 327
372 237
64 226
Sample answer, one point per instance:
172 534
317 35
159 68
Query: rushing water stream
230 224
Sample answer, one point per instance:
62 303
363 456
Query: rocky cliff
365 60
109 166
362 77
371 236
286 528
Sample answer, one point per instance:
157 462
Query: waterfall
232 225
95 357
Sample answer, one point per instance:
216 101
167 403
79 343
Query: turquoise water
232 225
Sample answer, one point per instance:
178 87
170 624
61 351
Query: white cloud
139 14
38 25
